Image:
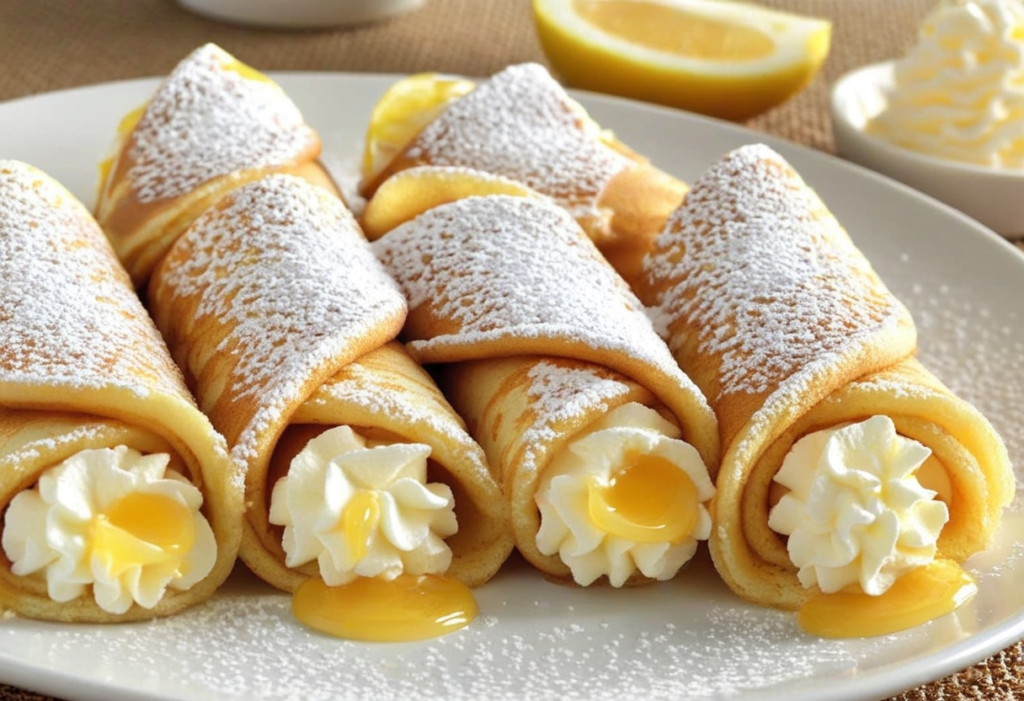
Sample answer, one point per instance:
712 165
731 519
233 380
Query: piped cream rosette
601 444
213 125
355 466
521 124
847 464
117 495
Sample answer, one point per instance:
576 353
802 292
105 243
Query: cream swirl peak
856 512
113 519
363 509
626 495
959 93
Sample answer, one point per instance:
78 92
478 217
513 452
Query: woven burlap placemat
51 44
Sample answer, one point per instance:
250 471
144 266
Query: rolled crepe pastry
355 466
212 125
848 467
601 445
522 125
118 497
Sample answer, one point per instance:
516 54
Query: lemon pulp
402 112
674 30
727 59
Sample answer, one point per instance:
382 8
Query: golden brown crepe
213 125
521 124
280 315
83 367
538 338
787 329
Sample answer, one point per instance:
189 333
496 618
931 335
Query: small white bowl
299 14
995 197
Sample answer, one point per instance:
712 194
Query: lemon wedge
407 106
726 59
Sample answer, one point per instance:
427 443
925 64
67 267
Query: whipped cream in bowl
947 118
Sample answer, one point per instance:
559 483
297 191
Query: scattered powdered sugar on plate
521 124
345 174
977 353
687 638
207 119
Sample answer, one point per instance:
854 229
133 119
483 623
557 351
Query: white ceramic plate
690 638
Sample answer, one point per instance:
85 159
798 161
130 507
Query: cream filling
363 509
602 516
959 93
856 512
113 519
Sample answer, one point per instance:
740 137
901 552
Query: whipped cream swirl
363 509
592 461
66 527
856 512
959 93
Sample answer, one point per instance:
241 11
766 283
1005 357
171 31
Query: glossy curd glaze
363 510
863 529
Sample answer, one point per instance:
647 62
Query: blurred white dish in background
299 14
993 196
959 92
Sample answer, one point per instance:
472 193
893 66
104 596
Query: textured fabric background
52 44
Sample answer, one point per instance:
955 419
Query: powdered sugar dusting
208 120
72 432
560 392
69 315
521 124
502 267
781 287
361 387
285 269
